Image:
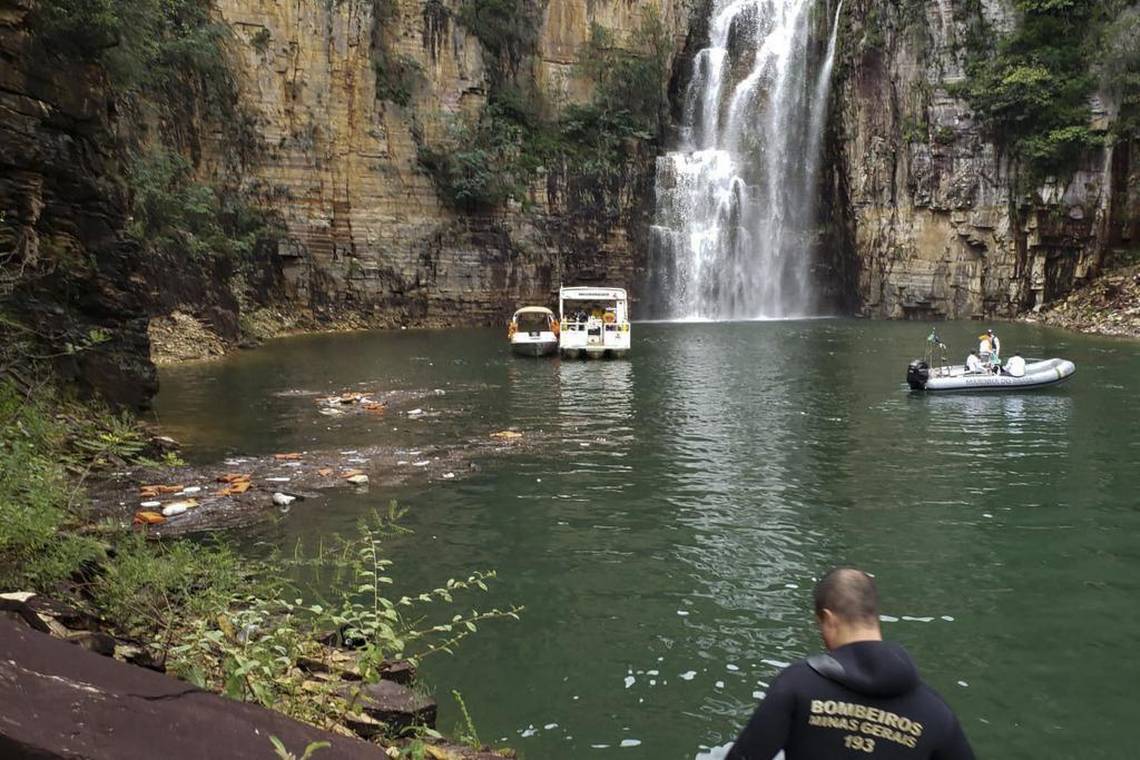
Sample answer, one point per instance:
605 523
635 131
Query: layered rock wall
69 282
368 234
937 224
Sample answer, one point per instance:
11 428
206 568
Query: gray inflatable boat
920 376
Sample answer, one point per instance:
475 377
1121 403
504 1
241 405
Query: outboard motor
917 374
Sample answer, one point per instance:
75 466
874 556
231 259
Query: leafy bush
175 213
1033 89
145 44
252 649
397 77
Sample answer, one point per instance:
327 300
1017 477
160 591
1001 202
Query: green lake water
665 535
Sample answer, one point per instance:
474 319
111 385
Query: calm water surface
666 534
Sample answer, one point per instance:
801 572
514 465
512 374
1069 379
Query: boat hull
534 348
1039 374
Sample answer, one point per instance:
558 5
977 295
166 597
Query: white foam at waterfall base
736 201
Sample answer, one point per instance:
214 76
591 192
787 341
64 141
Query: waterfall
736 200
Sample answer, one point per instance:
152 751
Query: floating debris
507 435
148 518
358 480
283 499
178 507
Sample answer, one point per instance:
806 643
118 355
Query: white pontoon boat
533 331
595 322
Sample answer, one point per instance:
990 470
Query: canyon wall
368 235
935 219
69 282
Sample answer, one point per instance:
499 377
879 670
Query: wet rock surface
63 702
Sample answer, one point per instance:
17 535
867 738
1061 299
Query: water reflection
728 429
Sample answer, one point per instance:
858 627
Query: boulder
393 704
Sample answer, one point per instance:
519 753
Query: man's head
990 333
847 607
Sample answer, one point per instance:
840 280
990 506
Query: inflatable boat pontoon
920 376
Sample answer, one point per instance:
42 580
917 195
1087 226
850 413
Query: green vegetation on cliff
495 156
176 215
1033 89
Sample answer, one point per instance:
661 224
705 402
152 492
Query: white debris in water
189 491
776 663
448 475
538 480
278 480
630 681
910 619
688 675
630 742
987 514
292 464
550 726
963 684
719 684
732 667
151 504
652 672
599 746
283 499
790 585
358 480
576 697
402 461
683 613
948 618
415 412
758 694
528 732
421 463
652 681
888 618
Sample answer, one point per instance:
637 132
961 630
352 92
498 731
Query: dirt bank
1110 305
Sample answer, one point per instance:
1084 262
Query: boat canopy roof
534 310
592 294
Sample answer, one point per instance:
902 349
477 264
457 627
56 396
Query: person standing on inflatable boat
862 699
989 348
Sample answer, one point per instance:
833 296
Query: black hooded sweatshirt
863 700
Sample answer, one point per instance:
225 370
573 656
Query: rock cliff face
935 220
368 234
68 280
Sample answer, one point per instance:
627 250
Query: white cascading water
736 202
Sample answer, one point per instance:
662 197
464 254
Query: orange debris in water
290 457
148 518
234 477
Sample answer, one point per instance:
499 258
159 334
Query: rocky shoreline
1110 305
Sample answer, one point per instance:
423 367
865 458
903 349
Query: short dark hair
849 593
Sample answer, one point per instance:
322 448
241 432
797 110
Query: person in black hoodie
863 699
